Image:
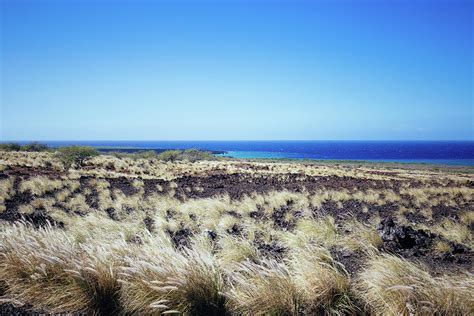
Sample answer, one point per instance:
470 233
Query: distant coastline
456 153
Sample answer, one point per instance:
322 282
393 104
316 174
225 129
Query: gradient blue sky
224 70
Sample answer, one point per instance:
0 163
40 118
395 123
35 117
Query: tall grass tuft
263 288
160 279
46 269
324 284
390 285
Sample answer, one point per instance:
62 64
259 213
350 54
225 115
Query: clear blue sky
223 70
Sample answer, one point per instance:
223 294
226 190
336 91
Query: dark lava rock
259 214
352 261
136 240
398 237
234 230
211 234
271 250
10 309
112 213
279 218
409 243
39 219
149 224
180 237
124 184
234 214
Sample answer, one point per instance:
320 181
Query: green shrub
193 155
76 154
10 147
170 155
35 146
145 154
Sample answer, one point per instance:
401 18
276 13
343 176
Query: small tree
76 154
170 155
145 154
193 155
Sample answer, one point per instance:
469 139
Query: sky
236 70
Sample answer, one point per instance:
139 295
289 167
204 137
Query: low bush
76 154
35 146
10 147
141 154
170 155
191 155
145 154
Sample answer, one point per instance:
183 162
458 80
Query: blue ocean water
433 152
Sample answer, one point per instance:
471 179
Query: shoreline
224 154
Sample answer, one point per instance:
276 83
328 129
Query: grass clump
390 285
160 279
46 269
455 231
263 288
309 282
323 283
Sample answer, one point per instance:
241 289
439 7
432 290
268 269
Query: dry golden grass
159 279
455 231
6 191
265 252
393 286
46 269
309 282
263 288
40 185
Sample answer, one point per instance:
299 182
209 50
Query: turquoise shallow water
273 155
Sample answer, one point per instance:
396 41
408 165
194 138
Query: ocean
459 153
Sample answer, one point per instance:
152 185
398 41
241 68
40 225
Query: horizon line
237 140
